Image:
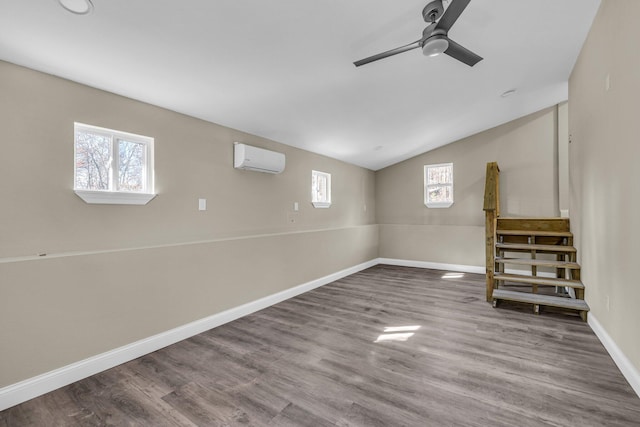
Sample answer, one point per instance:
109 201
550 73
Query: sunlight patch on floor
397 333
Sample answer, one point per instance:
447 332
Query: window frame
114 195
427 186
314 190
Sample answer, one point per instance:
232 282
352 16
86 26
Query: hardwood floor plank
389 346
295 416
204 406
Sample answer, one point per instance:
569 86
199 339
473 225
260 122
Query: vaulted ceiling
283 69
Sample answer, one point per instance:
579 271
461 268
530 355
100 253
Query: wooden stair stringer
542 281
538 299
524 239
538 263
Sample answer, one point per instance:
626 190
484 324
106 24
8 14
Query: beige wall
604 173
526 151
183 265
99 288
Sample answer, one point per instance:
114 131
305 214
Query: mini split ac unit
257 159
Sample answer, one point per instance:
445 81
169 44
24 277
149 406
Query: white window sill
321 204
438 205
114 197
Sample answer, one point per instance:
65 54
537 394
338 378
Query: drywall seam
169 245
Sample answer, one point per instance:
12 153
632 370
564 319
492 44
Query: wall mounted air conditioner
257 159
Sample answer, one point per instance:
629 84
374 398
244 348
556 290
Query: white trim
114 197
623 363
321 204
437 205
41 384
33 387
433 265
326 202
628 370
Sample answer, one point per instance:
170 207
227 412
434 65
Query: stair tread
576 304
537 280
534 233
534 247
538 262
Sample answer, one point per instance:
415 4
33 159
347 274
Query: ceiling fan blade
462 54
452 14
388 53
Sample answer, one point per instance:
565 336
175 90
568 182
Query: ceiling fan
434 39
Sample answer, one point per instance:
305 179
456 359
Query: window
438 185
320 189
112 166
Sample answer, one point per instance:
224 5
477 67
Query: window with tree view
438 185
109 161
320 189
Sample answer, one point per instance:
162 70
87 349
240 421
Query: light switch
202 204
295 206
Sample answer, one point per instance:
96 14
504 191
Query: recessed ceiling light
508 93
79 7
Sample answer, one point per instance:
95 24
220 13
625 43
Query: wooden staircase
530 260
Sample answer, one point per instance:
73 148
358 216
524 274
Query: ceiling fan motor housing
432 11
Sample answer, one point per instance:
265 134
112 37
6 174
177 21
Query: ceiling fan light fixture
78 7
435 45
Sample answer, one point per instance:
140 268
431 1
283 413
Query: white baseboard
432 265
41 384
629 371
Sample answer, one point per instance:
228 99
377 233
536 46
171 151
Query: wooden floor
389 346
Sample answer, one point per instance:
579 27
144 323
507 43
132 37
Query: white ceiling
282 69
